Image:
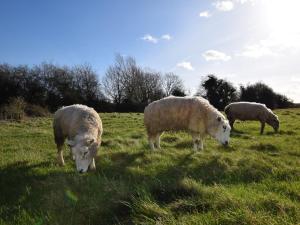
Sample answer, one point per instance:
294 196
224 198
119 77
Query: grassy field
254 181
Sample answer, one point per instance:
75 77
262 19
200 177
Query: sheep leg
157 141
59 141
262 127
71 155
93 165
197 141
59 144
151 142
200 144
231 122
60 156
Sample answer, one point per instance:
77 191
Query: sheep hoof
92 168
61 161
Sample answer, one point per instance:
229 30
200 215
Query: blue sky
243 41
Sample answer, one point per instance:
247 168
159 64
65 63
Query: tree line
221 92
125 87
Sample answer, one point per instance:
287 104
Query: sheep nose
81 171
226 143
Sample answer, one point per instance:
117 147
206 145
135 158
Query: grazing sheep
252 111
192 114
82 127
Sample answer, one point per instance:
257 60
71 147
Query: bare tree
132 79
172 83
87 83
126 82
113 81
148 87
153 89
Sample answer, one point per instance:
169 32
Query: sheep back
77 119
247 111
178 113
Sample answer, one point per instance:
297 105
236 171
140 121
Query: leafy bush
262 93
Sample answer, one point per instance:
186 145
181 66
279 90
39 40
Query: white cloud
166 37
150 38
257 51
242 1
213 55
282 41
228 5
224 5
205 14
245 1
274 45
185 65
295 79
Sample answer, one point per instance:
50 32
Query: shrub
14 110
36 111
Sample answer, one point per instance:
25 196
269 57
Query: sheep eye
85 153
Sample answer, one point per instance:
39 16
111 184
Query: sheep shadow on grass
282 132
266 148
188 144
238 134
170 139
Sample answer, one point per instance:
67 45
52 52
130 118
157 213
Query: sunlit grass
254 181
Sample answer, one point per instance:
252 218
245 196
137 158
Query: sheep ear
70 143
219 118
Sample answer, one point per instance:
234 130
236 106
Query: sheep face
83 151
273 122
221 130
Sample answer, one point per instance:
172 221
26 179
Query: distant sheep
251 111
82 127
192 114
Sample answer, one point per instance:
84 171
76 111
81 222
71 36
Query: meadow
254 181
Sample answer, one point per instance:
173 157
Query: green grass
254 181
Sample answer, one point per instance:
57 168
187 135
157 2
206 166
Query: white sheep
192 114
251 111
82 127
